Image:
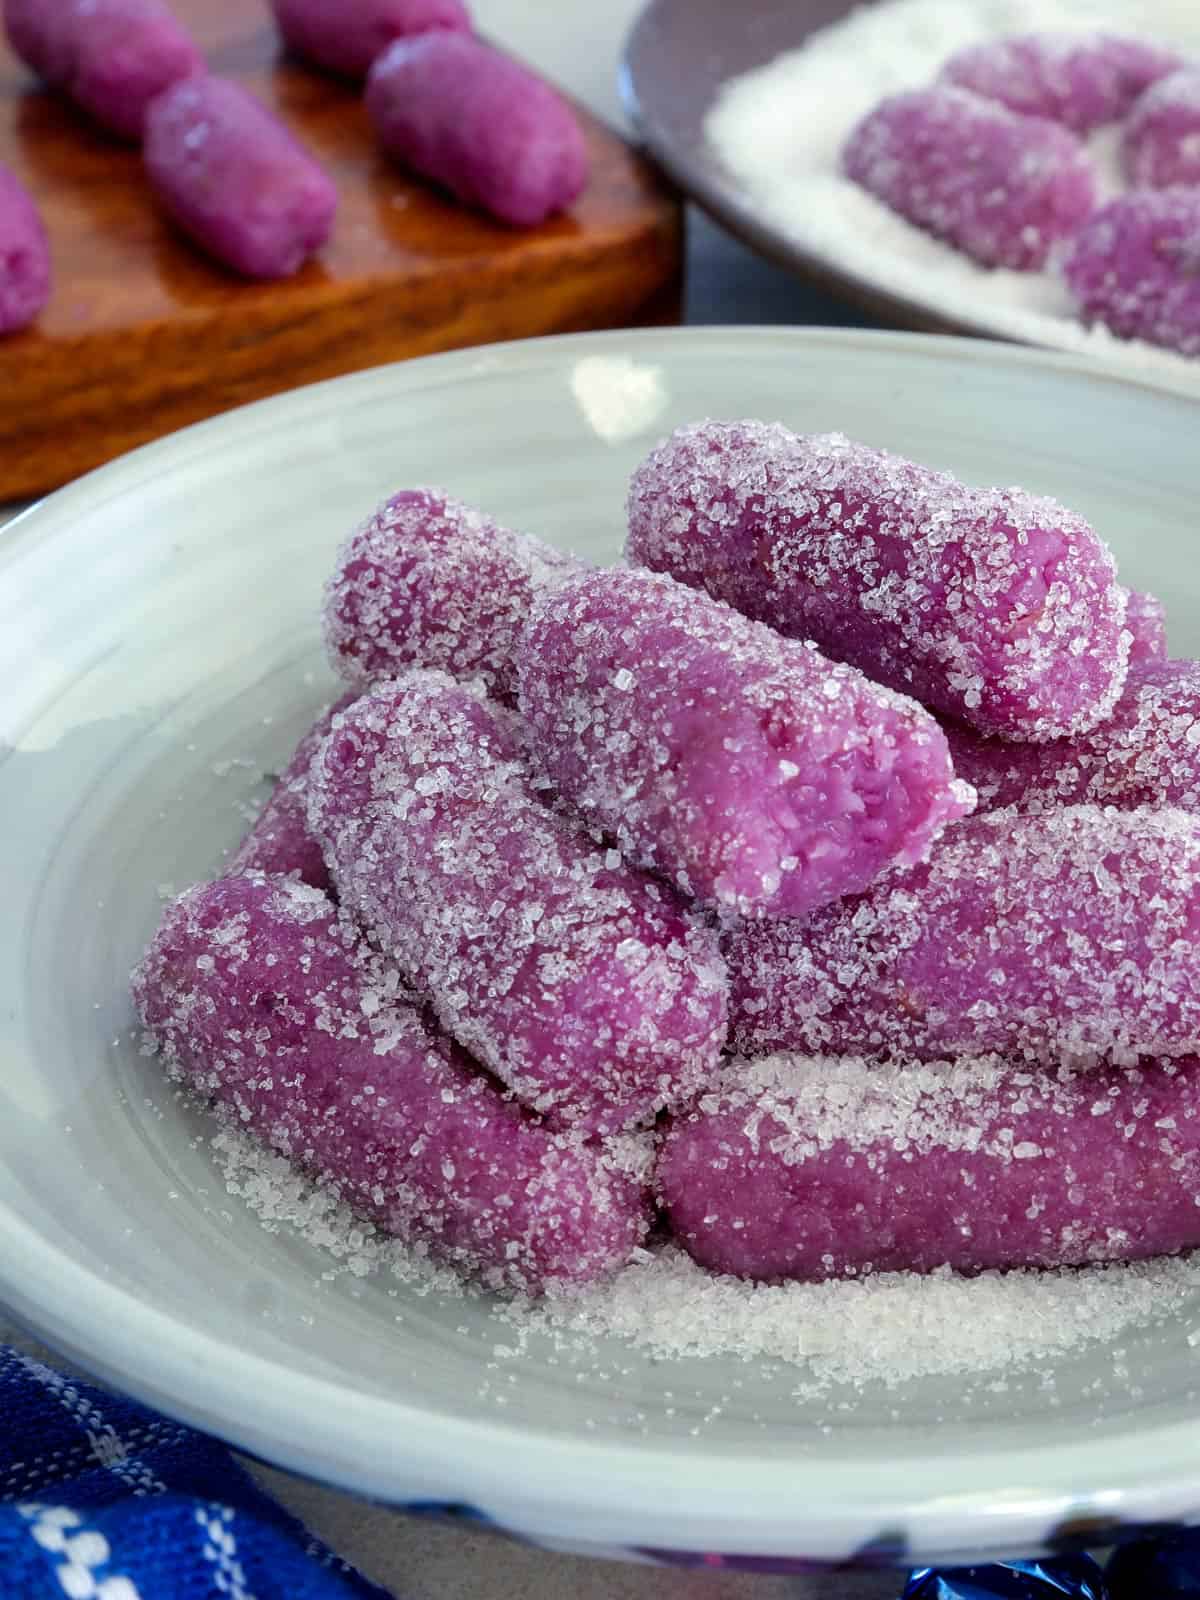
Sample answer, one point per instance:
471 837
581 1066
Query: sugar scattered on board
885 1329
779 131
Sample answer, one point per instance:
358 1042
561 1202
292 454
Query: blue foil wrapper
1076 1577
1166 1567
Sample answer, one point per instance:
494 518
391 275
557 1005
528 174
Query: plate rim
736 1501
479 360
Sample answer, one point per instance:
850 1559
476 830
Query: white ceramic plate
159 619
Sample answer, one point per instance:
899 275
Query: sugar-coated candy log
235 179
348 37
1160 142
992 605
758 776
1072 933
1146 620
1132 267
581 984
1001 187
489 130
427 581
111 56
1163 1562
1147 753
24 255
1082 80
802 1167
1070 1577
256 993
281 843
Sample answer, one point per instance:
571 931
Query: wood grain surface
145 334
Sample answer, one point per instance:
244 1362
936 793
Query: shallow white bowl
158 620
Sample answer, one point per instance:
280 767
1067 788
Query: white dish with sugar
778 132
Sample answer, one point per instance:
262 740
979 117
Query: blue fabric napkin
101 1499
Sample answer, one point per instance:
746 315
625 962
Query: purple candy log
996 606
1135 267
796 1167
348 37
1082 80
1147 753
1146 620
755 774
1070 935
234 178
1161 139
113 57
489 130
1000 187
427 581
581 984
255 993
24 256
281 843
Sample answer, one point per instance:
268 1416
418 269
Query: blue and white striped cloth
101 1499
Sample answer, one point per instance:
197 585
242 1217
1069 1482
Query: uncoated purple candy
111 56
1082 80
235 179
1147 753
581 984
427 581
489 130
24 255
1000 187
1161 139
755 774
349 36
800 1167
992 605
1073 934
1136 268
256 993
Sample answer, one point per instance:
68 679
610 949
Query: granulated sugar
779 130
885 1329
283 1198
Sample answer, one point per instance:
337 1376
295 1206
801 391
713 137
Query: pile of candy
229 172
605 894
991 159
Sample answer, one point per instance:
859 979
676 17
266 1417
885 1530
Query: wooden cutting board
144 333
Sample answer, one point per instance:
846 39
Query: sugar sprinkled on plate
779 130
888 1328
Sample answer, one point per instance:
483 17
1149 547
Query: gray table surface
577 43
